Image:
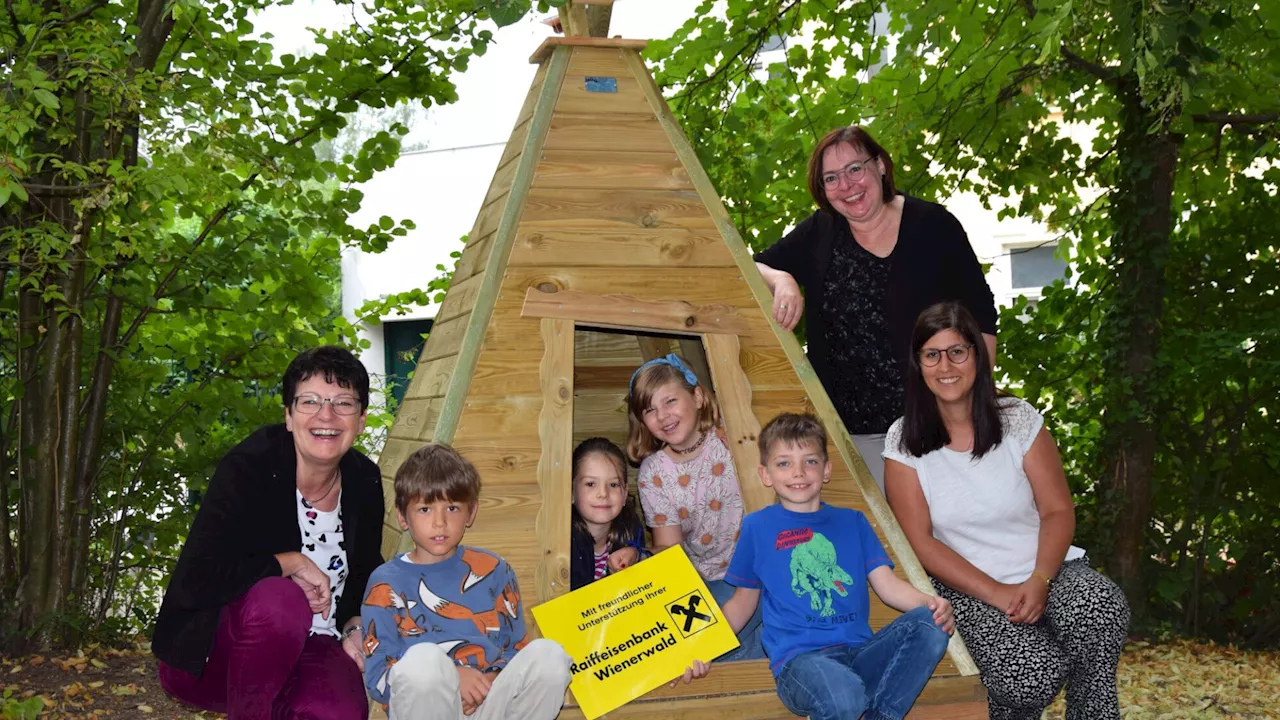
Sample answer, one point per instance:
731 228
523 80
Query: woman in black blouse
870 260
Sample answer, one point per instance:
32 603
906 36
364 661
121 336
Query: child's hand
699 669
622 559
943 614
473 686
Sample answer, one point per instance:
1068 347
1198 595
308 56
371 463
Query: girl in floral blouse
688 485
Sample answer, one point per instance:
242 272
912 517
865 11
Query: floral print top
701 496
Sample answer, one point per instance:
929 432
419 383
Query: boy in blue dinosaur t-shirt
443 624
812 563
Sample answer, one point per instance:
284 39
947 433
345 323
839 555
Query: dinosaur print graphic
814 571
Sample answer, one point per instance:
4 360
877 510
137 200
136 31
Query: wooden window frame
716 328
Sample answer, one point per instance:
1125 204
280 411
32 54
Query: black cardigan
249 514
932 262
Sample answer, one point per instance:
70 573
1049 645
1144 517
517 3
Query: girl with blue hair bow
688 485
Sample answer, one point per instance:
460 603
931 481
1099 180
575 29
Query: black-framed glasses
310 404
957 354
853 171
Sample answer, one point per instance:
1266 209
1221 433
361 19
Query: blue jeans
749 641
882 678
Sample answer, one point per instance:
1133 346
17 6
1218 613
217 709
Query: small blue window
602 84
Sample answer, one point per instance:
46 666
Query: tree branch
81 14
1102 72
1221 118
62 190
754 44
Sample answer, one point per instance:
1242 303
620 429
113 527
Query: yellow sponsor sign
630 632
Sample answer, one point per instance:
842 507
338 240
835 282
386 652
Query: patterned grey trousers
1076 643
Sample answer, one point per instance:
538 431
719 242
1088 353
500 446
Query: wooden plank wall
416 419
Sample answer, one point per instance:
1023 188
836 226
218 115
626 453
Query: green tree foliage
169 239
1153 362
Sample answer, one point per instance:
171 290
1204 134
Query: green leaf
504 12
45 98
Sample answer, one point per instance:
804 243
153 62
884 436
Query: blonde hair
648 379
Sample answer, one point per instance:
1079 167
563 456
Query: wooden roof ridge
550 44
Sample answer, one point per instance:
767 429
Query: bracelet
1048 579
350 631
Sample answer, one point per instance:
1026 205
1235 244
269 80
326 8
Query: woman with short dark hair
261 618
977 485
869 259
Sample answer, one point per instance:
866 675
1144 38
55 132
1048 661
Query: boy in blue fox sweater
443 624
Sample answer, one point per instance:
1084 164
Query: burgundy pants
266 666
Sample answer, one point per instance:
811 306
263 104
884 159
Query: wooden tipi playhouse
601 243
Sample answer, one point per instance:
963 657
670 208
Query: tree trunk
1142 211
38 514
598 17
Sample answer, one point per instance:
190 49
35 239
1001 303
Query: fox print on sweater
469 605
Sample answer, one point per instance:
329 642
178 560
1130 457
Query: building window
403 343
1035 266
775 42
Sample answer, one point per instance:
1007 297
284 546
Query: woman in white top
977 484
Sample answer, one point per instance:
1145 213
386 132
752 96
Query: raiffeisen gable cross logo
692 614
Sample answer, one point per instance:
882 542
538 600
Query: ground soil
1159 681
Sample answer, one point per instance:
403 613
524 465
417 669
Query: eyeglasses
310 404
957 354
853 171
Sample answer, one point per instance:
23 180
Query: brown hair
793 429
640 442
436 472
861 140
922 428
626 527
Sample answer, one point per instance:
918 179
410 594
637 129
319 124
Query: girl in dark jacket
607 535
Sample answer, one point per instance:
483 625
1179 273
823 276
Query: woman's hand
310 578
353 645
788 303
699 669
473 685
1002 597
622 559
1028 601
943 614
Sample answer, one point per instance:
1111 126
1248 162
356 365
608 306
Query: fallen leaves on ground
94 683
1186 680
1179 680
